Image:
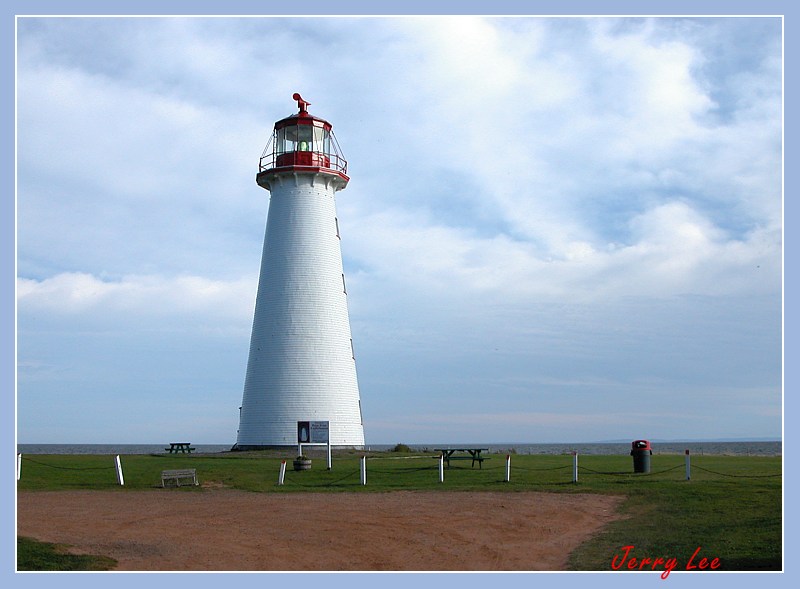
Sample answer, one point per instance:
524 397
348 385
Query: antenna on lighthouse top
301 104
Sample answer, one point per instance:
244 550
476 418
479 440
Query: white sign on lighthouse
301 365
313 432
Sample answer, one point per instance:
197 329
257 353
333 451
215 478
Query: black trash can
641 452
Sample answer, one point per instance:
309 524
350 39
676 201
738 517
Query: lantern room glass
302 138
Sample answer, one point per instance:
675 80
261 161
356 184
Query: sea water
737 448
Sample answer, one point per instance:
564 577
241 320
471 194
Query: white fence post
508 468
688 467
282 472
330 464
118 465
19 466
574 466
363 470
441 468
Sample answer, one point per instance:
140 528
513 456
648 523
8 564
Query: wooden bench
178 476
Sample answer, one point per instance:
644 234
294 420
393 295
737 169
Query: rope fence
627 474
399 472
739 476
395 474
528 469
325 484
26 459
116 467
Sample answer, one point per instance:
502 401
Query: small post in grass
330 464
282 472
508 468
118 466
441 468
688 466
19 465
363 470
574 466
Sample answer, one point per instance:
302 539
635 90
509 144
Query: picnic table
474 455
180 448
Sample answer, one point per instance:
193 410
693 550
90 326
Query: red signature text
626 560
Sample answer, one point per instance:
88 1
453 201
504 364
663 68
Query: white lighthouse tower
302 364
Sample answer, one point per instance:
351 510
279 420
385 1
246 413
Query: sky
556 229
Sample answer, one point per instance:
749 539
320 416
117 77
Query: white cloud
622 188
136 178
143 299
655 102
674 250
629 126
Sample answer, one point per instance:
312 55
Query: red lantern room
302 143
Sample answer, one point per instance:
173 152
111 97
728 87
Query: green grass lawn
42 556
731 508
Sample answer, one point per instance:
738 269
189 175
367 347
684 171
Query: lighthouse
301 366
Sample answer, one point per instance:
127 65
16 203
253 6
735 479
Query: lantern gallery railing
312 159
330 159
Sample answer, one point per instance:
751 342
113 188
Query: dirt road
228 530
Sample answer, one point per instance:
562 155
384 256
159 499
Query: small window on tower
344 285
336 219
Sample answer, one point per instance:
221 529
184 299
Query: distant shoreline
737 448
